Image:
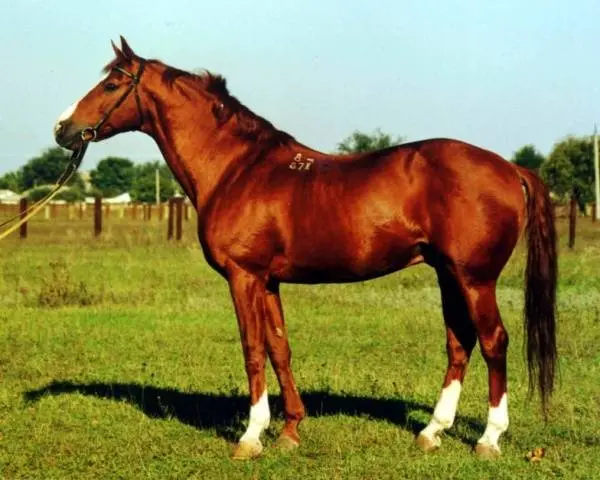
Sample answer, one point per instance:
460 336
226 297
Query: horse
272 210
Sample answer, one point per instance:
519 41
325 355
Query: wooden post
572 221
133 210
170 222
179 225
46 212
593 212
161 212
157 186
97 216
81 204
23 212
149 211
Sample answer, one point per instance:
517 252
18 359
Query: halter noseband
90 133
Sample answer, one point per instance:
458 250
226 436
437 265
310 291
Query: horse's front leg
248 292
280 355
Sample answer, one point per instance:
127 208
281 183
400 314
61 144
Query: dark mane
249 125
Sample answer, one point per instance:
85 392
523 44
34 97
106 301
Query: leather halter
90 133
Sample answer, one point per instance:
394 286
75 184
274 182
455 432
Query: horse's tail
540 290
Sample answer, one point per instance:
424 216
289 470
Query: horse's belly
346 262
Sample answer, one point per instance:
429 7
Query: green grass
121 359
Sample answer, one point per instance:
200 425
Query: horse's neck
197 152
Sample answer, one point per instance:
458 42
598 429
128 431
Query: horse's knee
255 364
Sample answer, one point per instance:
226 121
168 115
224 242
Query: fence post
179 224
149 211
23 212
170 220
81 209
572 221
97 216
161 212
133 210
593 212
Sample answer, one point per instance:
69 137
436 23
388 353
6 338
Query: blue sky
497 74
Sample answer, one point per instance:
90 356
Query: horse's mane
249 125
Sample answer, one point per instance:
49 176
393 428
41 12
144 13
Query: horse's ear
118 52
127 50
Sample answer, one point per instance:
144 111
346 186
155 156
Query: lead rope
22 217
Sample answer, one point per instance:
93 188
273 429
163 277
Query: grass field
121 358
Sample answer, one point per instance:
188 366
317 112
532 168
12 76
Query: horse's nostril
59 128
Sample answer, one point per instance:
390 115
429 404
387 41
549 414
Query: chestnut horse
272 210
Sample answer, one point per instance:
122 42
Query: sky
496 74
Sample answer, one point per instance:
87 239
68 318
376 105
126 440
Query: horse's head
112 106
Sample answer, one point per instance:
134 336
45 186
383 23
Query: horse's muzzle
67 135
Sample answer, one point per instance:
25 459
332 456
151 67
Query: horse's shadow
225 413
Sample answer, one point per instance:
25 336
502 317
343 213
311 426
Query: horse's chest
250 244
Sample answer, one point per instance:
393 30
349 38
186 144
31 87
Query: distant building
8 196
119 199
87 180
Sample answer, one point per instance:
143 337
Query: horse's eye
110 87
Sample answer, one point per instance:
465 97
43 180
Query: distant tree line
111 177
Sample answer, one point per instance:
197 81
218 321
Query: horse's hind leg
460 340
493 341
280 355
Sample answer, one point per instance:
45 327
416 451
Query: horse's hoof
487 451
247 450
286 443
426 443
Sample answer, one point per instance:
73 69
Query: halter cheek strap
90 133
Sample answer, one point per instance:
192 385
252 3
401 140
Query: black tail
540 291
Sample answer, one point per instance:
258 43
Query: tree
12 181
47 168
359 142
569 170
528 157
113 176
69 195
144 183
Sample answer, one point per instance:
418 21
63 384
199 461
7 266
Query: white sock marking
497 423
445 410
260 417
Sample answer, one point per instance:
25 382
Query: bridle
90 133
87 135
